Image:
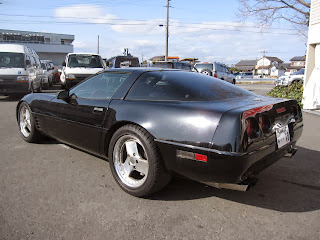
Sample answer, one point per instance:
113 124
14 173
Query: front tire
26 122
135 162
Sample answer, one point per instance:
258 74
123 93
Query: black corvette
151 123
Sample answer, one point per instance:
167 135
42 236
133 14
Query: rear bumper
14 87
222 167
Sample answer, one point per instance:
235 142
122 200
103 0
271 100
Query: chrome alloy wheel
130 161
25 121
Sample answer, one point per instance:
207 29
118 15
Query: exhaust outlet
243 187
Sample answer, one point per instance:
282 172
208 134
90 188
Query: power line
142 20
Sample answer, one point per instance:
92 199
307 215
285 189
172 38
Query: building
296 64
269 66
311 94
49 46
246 65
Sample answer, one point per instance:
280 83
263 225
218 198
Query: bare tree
296 12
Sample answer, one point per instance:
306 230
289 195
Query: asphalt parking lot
52 191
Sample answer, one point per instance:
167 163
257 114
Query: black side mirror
64 63
64 95
28 62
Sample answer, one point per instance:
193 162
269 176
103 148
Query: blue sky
206 29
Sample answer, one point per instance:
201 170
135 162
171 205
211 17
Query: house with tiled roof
269 66
246 65
297 63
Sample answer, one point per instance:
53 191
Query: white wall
312 81
263 62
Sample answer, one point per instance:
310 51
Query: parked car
151 123
218 70
243 75
20 70
173 65
79 66
54 70
123 62
292 78
48 74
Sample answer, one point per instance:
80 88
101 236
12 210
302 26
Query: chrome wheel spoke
126 168
132 148
130 161
25 121
142 166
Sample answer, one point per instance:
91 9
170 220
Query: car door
78 120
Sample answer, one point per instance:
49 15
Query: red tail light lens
215 75
264 123
252 127
200 157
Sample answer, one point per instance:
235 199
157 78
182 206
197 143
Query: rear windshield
88 61
12 60
182 86
202 66
125 62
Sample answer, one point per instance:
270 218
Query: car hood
82 70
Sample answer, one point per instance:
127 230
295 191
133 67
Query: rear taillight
215 75
252 128
264 123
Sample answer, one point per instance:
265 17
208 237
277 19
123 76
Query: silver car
218 70
293 78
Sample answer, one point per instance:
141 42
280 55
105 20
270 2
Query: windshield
87 61
12 60
300 72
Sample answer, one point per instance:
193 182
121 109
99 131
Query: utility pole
263 56
98 45
167 32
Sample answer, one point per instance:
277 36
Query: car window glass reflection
169 86
101 86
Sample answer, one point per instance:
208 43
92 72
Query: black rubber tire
35 135
206 70
234 82
158 176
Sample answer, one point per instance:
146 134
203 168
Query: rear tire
136 163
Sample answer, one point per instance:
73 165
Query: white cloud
228 42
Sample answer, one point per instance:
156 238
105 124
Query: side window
33 61
38 62
101 86
157 87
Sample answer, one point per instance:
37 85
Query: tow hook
292 151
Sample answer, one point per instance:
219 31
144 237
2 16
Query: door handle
98 109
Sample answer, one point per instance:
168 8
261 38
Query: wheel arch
111 131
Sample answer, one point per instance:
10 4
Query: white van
79 66
20 69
